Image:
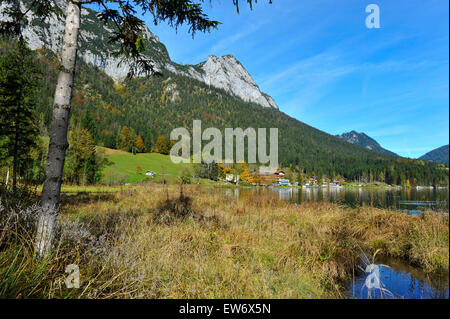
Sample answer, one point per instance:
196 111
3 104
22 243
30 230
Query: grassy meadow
129 168
159 241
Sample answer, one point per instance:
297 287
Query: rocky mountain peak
365 141
227 73
224 72
93 39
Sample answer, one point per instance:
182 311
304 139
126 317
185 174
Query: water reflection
412 201
400 280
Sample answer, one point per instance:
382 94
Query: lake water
412 201
395 279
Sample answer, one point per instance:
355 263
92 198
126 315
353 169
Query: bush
170 210
186 176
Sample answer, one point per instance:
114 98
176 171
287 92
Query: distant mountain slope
365 141
437 155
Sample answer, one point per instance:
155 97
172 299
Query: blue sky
325 68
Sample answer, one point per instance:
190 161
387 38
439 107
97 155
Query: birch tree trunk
58 135
7 178
16 144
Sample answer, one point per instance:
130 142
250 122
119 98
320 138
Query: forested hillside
153 106
437 155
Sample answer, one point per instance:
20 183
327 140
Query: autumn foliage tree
140 146
161 145
246 176
127 142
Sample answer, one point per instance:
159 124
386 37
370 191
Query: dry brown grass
110 151
255 246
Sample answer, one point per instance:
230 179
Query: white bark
7 178
58 135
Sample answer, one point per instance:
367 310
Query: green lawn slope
129 168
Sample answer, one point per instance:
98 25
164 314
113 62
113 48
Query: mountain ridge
439 154
224 72
363 140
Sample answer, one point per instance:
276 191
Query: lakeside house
335 183
284 182
150 173
280 173
267 175
272 176
231 178
311 181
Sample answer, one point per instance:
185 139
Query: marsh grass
153 242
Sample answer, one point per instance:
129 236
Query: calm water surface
398 280
411 201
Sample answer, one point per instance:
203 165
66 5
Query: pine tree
82 164
18 128
213 171
126 141
88 122
301 179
